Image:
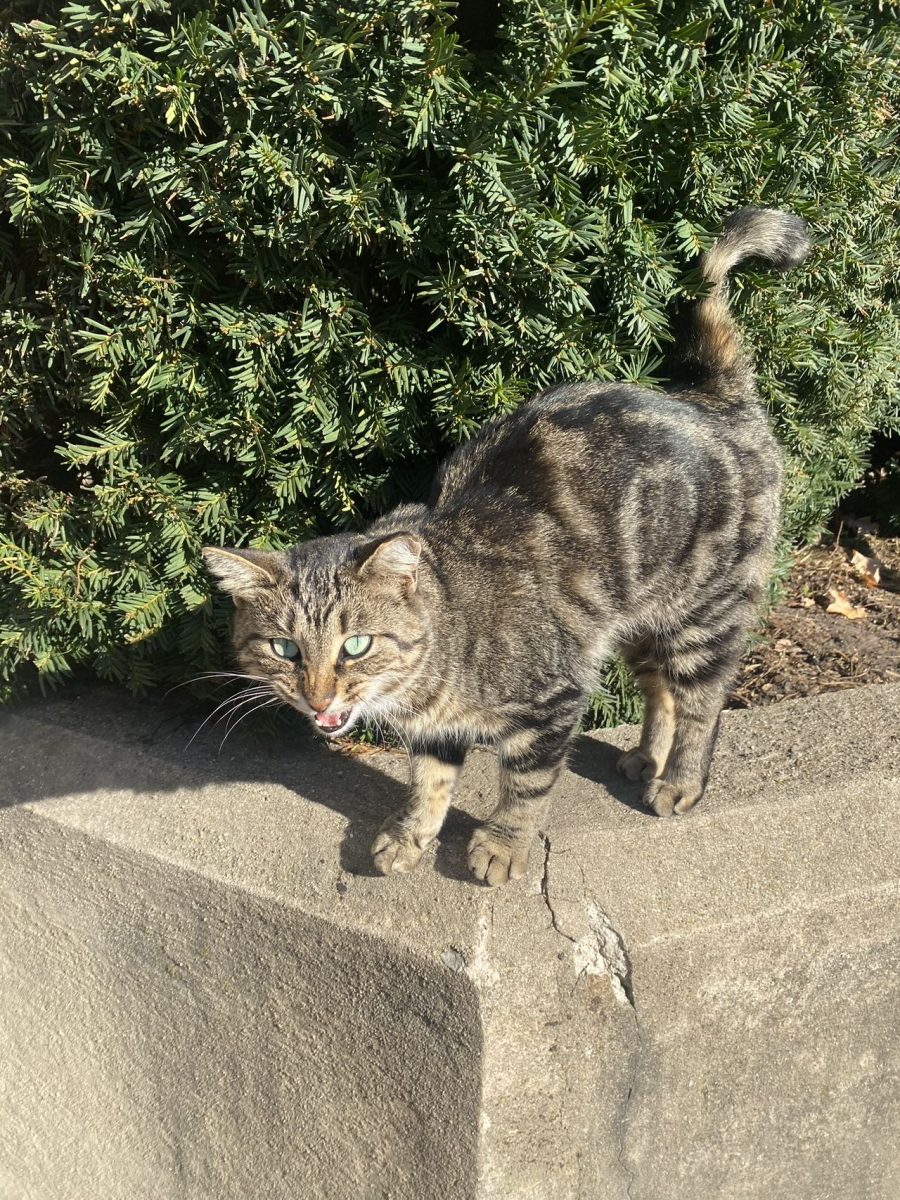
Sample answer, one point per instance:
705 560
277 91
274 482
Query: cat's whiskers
244 698
404 740
225 676
228 702
265 704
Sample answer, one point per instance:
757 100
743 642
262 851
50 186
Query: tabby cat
596 518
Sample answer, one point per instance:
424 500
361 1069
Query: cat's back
604 435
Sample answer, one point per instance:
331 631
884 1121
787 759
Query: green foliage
264 264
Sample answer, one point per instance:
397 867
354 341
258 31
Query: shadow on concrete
596 760
286 753
226 1012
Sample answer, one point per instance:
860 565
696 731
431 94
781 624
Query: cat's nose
320 703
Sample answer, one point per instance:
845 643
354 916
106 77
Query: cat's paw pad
495 859
395 850
669 799
636 765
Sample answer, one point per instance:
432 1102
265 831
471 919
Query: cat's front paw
670 799
495 858
395 849
636 765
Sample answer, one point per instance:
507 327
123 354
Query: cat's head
335 627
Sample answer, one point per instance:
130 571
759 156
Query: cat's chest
460 715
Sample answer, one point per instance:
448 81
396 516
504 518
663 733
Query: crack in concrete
545 891
602 951
622 1148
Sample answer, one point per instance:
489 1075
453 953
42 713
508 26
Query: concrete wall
204 992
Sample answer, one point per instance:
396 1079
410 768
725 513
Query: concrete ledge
205 993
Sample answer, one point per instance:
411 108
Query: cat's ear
241 573
395 556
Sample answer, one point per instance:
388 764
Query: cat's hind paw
495 859
670 799
636 765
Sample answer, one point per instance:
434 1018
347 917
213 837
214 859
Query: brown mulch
805 650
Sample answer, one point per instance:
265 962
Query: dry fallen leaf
803 602
868 569
842 607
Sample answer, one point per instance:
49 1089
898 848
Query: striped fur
598 517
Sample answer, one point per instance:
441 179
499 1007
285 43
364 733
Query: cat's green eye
284 648
356 647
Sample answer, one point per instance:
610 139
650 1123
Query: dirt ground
805 649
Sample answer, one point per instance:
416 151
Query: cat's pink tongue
330 720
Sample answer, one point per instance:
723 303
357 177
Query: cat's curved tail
712 356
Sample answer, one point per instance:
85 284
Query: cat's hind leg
648 759
700 669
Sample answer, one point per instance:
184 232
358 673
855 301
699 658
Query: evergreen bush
266 263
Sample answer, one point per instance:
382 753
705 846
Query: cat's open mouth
333 723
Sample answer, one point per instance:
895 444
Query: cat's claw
636 765
495 860
394 851
669 799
